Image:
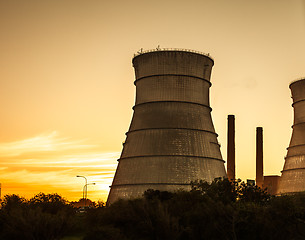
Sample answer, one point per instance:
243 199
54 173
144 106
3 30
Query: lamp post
85 186
85 192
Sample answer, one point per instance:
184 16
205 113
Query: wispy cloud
53 161
42 143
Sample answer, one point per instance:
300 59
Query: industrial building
270 182
292 179
171 140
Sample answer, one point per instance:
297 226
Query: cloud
42 143
52 162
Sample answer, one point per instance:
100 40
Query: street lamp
83 188
85 192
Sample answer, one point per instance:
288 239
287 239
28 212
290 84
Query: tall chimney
259 157
231 148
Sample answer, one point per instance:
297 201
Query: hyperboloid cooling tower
171 140
293 174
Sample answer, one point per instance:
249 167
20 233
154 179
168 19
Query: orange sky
66 81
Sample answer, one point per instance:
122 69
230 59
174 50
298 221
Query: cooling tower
171 140
293 174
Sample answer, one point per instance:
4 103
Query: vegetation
45 216
219 210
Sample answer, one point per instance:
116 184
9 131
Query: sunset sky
66 82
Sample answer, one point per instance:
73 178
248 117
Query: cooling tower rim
296 124
298 101
172 101
175 156
296 81
170 74
141 52
172 128
299 145
292 169
292 156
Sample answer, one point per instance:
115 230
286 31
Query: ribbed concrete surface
171 140
293 174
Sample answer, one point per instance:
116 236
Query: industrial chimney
259 157
171 140
293 174
231 148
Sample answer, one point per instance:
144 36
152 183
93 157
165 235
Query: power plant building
293 174
171 140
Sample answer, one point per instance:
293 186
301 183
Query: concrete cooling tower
171 140
293 174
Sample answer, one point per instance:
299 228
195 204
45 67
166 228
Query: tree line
217 210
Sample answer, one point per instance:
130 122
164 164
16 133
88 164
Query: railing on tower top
141 51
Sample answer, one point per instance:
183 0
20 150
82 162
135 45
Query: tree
45 216
231 191
51 203
252 193
12 201
219 190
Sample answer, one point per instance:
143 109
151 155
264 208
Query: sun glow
50 162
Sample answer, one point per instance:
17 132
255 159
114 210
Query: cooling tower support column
231 148
171 140
293 174
259 157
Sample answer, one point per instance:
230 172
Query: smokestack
231 148
171 140
259 157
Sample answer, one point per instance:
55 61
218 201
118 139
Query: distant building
250 182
